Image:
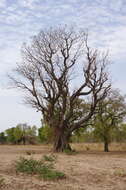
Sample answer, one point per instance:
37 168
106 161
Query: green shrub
49 158
43 168
120 172
52 174
28 166
2 182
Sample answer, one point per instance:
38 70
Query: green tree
18 133
45 134
111 112
2 138
22 133
26 133
10 135
119 134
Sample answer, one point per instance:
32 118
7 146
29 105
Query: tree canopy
22 133
110 114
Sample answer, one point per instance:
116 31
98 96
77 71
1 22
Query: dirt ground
89 169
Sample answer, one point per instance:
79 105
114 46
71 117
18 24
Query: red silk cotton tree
52 64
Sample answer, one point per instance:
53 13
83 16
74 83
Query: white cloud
12 8
106 27
28 3
2 3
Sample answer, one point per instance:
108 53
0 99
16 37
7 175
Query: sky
21 19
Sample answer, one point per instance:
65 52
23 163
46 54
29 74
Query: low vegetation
120 172
2 182
50 158
92 169
44 168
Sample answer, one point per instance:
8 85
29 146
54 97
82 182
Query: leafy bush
43 168
120 172
52 174
49 158
30 166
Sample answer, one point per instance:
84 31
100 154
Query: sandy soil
87 170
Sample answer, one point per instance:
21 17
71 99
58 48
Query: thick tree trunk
61 141
106 146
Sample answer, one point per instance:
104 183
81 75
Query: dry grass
98 147
90 169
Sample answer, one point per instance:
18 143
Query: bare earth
87 170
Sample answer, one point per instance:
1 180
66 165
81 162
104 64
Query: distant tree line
21 134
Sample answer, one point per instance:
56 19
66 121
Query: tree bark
24 140
61 140
106 146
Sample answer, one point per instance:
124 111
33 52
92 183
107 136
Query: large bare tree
57 69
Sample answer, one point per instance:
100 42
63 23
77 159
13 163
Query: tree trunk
24 140
106 148
61 140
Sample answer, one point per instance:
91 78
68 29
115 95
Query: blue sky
21 19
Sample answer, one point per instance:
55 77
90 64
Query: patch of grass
2 181
49 174
43 168
29 166
120 172
49 158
